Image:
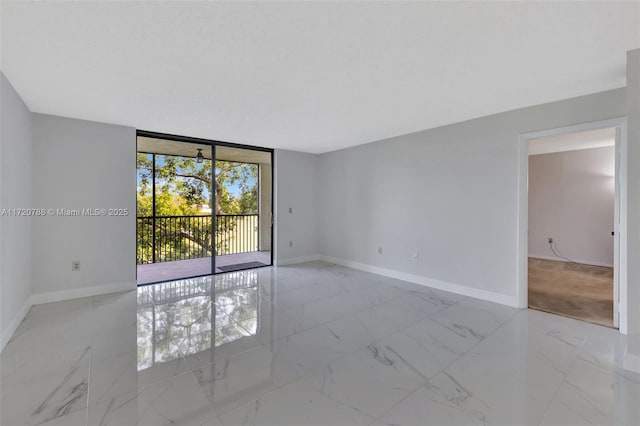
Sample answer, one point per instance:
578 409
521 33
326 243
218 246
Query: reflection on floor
574 290
309 344
164 271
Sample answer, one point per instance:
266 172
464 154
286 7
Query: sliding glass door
203 207
242 208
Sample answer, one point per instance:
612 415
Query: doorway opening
203 207
572 221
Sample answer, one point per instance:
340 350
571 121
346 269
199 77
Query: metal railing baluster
187 237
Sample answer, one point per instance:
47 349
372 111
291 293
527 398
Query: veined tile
559 414
376 293
241 378
224 350
604 347
438 294
24 366
312 348
303 280
117 410
178 400
329 309
283 272
273 325
570 331
51 331
439 299
468 321
427 407
113 311
168 362
353 332
369 381
306 294
304 406
278 324
78 418
428 346
424 302
389 317
600 396
47 397
112 377
518 340
113 343
497 309
499 390
64 309
310 344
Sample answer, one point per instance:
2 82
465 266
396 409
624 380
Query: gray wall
81 164
15 192
296 188
633 204
449 193
571 198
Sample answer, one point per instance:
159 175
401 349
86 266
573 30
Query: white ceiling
309 76
573 141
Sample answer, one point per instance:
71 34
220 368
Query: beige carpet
573 290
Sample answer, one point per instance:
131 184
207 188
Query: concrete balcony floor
164 271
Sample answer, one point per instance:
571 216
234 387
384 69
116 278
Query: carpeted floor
573 290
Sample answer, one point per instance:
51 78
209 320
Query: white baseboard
77 293
294 260
428 282
13 325
631 361
559 259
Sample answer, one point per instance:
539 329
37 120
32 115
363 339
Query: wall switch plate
380 250
290 243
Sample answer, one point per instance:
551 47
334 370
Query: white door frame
620 214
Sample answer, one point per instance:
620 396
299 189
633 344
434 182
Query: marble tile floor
310 344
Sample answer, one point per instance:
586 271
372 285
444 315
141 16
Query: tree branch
187 175
184 234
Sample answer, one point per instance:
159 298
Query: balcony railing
168 238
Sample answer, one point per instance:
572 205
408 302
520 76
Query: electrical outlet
380 250
290 210
75 265
550 240
414 256
290 243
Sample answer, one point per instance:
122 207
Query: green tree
190 182
183 188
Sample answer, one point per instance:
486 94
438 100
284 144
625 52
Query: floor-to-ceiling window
203 207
